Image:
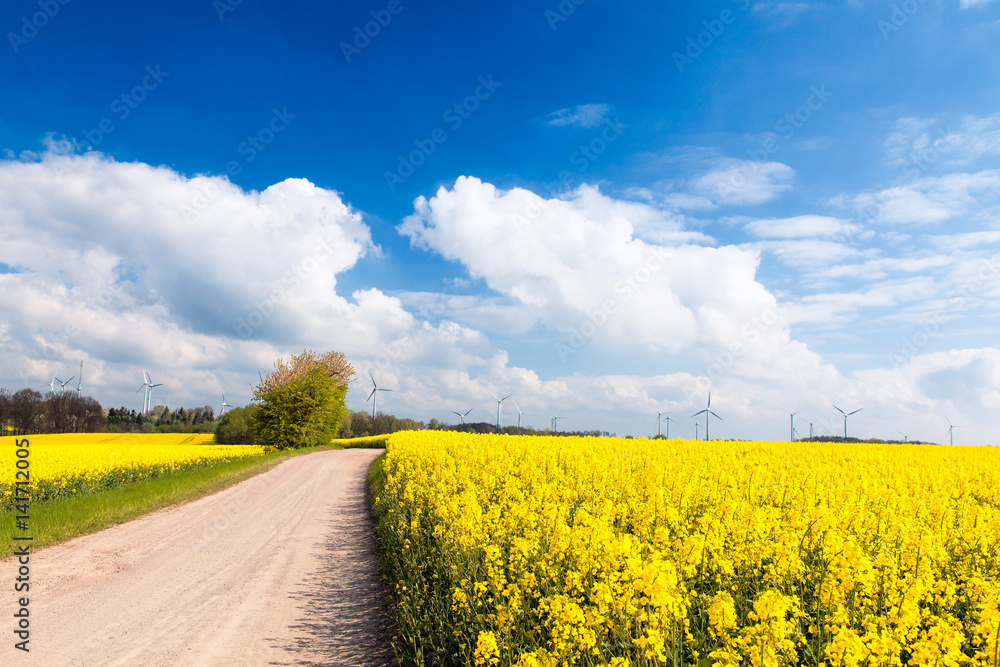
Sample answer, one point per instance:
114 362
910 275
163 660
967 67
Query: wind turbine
555 424
148 385
373 397
951 431
519 413
52 387
846 415
696 425
906 438
224 405
668 420
708 413
659 416
62 384
499 401
463 416
791 416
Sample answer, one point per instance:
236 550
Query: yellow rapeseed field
367 442
508 550
76 463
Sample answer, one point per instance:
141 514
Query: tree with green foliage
302 402
236 427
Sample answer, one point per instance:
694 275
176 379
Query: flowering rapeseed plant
510 550
77 463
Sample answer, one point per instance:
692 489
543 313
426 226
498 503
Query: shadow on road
344 600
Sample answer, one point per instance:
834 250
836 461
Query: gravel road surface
277 570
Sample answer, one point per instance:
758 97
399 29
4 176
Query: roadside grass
62 519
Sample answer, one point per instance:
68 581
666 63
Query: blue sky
604 210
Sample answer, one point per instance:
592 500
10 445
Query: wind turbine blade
506 397
839 410
700 413
381 389
370 395
145 376
855 412
709 400
373 378
468 411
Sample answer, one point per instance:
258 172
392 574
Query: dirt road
277 570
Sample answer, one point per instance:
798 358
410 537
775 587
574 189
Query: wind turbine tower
148 385
79 382
708 413
519 413
373 397
659 419
846 415
499 401
951 432
791 427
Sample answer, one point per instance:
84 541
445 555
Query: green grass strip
64 518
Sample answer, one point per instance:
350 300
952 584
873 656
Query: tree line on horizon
29 412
